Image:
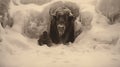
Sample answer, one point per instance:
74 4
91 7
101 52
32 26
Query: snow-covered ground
97 47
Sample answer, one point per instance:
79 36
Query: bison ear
53 19
71 17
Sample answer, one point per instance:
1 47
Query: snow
97 47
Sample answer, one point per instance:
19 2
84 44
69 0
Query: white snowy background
97 46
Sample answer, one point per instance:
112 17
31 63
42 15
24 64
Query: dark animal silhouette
62 16
44 39
62 25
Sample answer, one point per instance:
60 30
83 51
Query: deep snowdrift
95 47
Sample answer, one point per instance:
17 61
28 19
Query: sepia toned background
23 21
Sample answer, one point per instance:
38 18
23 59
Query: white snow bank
97 47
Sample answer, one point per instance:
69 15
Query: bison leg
44 39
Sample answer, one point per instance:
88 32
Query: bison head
62 25
61 17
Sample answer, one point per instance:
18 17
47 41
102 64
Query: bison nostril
61 28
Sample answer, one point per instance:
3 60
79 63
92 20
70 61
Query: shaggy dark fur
68 35
44 39
62 20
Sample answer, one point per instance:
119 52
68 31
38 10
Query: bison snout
61 29
61 26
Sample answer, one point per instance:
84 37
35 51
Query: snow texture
97 46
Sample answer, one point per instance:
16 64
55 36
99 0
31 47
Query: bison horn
52 12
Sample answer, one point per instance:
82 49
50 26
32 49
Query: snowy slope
96 47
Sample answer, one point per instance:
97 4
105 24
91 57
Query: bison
62 25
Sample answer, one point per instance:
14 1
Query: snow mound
97 46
